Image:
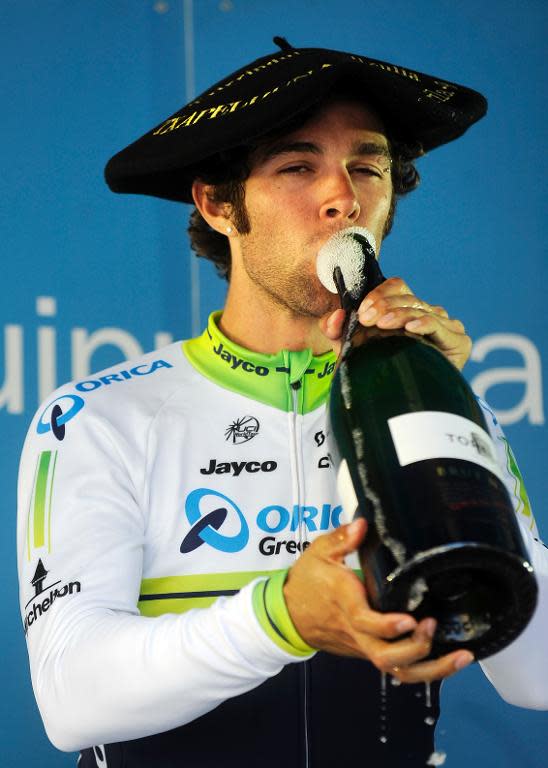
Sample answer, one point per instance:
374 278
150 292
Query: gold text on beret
442 92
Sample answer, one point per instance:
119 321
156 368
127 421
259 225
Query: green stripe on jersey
265 378
161 606
177 594
41 502
520 494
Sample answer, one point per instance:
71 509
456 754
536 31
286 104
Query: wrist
271 610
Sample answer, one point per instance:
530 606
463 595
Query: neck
252 319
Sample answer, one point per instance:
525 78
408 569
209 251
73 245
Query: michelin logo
44 597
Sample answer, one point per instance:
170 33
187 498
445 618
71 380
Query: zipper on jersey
297 365
296 390
296 451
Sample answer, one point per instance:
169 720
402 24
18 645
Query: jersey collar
287 380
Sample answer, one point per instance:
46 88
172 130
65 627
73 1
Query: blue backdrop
91 278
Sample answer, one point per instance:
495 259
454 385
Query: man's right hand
328 605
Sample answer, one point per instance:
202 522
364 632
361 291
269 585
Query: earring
229 230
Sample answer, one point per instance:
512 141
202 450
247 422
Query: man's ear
216 214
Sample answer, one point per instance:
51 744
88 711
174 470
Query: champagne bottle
416 460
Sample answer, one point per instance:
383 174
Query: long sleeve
100 671
520 672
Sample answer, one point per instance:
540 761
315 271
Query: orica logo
58 413
207 510
206 523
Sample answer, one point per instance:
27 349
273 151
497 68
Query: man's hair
227 172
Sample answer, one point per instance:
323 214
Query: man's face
332 173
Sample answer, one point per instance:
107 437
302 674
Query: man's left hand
393 305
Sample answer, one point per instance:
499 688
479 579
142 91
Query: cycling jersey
191 479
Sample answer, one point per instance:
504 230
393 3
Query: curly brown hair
227 172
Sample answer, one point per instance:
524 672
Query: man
202 479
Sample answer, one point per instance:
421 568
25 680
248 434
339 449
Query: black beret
420 110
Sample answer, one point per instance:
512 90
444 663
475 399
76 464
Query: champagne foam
345 251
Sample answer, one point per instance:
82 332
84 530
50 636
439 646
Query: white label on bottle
346 493
438 435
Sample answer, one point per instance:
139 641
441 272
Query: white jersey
189 479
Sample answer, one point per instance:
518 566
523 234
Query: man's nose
339 198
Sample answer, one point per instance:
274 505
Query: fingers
340 620
407 651
449 337
382 626
438 669
378 638
393 305
399 316
404 659
340 542
352 599
332 324
429 323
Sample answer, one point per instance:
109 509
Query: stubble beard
296 290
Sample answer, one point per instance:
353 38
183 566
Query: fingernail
463 660
366 303
387 319
406 625
370 314
413 324
429 627
353 527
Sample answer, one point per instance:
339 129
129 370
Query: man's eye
296 169
367 170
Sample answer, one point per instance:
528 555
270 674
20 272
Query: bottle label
438 435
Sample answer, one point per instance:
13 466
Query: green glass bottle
415 458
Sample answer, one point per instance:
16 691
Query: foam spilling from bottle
353 251
345 249
437 758
416 594
383 738
428 695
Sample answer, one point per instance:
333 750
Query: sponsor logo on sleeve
60 411
45 596
57 413
41 503
121 376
